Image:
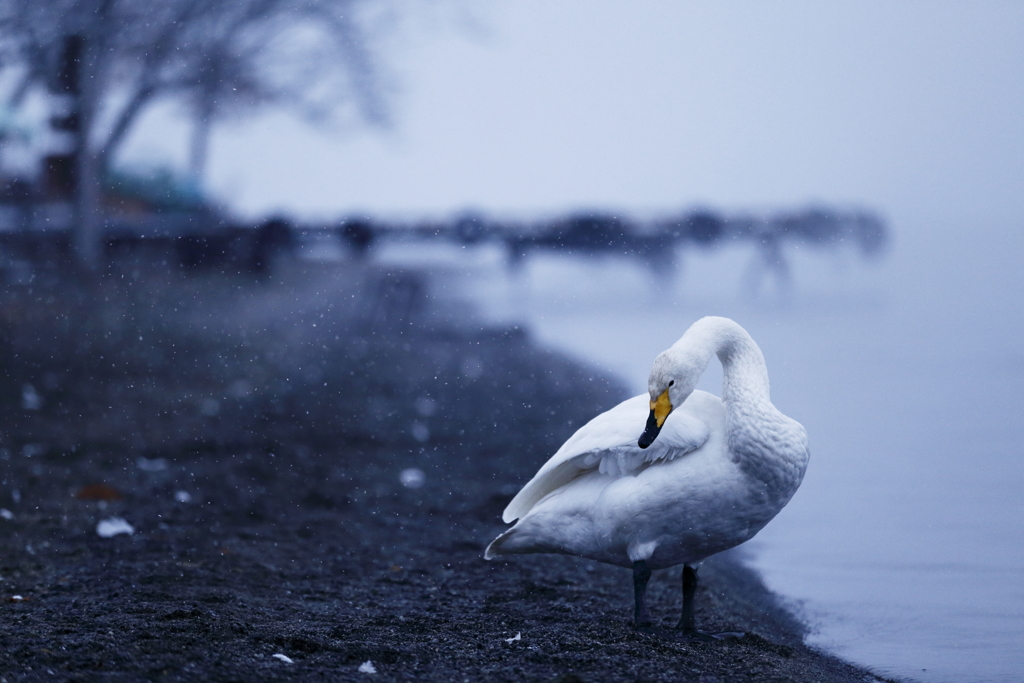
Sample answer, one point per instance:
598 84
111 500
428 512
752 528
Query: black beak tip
650 432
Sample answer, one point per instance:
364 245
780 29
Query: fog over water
906 543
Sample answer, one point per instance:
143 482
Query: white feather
608 444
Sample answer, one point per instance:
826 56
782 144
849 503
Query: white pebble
114 526
412 478
284 658
30 398
6 514
367 667
154 465
517 636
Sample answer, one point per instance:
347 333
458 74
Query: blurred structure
815 227
702 227
653 241
593 233
358 233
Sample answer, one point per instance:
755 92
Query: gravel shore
311 474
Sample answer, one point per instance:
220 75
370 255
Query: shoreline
268 513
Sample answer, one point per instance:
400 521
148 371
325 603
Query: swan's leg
641 575
687 622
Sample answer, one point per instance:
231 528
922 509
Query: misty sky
914 108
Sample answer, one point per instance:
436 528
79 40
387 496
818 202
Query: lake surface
904 547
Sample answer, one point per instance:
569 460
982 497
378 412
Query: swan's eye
672 382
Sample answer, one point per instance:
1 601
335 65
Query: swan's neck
744 373
767 445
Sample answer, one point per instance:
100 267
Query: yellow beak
661 408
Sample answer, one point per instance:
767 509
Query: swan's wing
608 444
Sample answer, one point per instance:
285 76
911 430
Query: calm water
905 545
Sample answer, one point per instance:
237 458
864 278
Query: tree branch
142 96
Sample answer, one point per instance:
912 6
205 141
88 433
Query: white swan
706 475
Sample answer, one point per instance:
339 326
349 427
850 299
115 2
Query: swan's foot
695 636
658 632
677 636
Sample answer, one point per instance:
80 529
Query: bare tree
217 56
250 57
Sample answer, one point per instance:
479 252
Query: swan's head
672 380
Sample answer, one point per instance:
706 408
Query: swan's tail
502 545
527 536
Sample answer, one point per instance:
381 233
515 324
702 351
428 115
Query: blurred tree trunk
88 235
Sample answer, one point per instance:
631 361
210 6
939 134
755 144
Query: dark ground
286 411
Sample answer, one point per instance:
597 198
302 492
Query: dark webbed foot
677 636
704 637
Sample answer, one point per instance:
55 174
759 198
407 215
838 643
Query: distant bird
706 474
